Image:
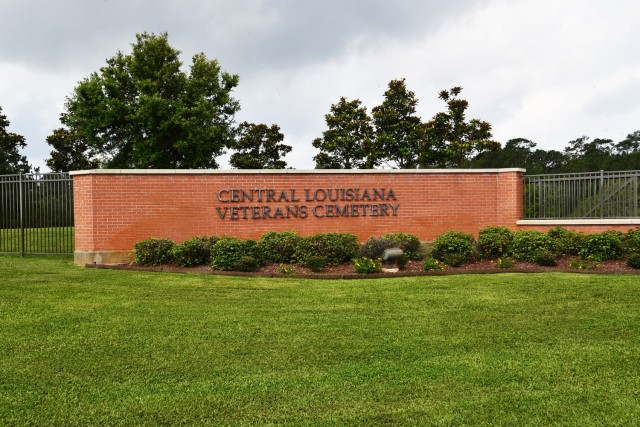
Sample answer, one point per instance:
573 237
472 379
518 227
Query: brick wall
115 209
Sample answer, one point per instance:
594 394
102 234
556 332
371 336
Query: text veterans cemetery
352 202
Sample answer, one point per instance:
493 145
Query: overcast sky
547 70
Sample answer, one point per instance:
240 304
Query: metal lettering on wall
320 203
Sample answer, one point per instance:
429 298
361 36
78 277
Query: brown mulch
413 268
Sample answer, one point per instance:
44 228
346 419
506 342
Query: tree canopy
348 141
11 161
142 111
259 147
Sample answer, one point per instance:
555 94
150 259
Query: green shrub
287 270
409 244
227 252
195 251
546 259
505 262
527 245
453 247
603 246
567 242
493 242
584 264
315 263
246 264
367 265
631 242
279 247
402 261
335 247
633 261
432 264
374 247
153 251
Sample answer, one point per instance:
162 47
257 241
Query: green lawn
85 346
58 240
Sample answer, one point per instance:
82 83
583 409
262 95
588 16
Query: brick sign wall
116 208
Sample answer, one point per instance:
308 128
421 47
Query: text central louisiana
293 203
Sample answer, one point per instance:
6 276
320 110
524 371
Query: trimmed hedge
153 251
494 242
231 254
453 248
195 251
335 247
528 245
279 247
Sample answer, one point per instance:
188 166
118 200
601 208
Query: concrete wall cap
616 221
285 171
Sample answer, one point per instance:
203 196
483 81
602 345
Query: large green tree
259 147
348 141
400 134
452 141
70 152
142 111
11 161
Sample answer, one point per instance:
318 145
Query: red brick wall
115 209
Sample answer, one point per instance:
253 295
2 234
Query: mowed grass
59 240
97 347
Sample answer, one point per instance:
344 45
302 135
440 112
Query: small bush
335 247
315 263
432 264
279 247
246 264
527 245
631 242
503 262
633 261
546 259
603 246
367 265
374 247
409 244
493 242
584 264
195 251
567 242
453 247
227 252
287 270
153 251
402 262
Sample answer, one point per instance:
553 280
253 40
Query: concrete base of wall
102 257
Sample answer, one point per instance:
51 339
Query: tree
400 134
142 111
585 155
11 161
70 152
453 141
259 147
348 141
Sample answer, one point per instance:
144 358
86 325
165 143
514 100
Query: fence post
20 192
601 194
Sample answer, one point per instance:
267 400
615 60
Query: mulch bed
413 268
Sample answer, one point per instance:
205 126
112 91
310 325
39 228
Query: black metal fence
36 213
581 195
